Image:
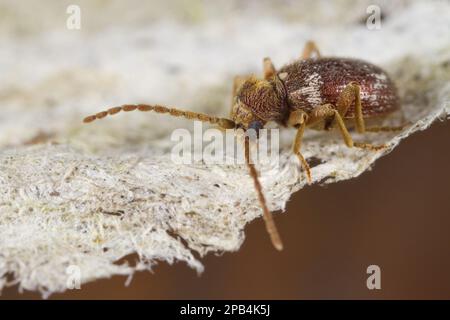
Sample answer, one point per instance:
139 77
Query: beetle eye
255 125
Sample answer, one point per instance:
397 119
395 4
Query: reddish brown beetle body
309 83
313 82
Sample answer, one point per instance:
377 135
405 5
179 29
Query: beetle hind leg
309 49
328 111
350 94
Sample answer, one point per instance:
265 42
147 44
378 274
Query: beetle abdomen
313 82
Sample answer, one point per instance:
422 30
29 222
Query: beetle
314 92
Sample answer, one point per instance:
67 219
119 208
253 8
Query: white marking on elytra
372 98
380 82
312 90
283 75
380 76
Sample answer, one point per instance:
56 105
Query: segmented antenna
268 218
222 122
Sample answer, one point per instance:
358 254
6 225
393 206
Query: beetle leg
308 50
298 119
348 139
327 111
342 127
268 68
351 93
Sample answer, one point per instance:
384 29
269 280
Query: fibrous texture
89 195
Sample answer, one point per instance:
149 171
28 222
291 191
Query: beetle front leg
309 49
298 119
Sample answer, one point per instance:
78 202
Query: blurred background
396 216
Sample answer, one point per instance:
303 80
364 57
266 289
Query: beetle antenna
268 218
222 122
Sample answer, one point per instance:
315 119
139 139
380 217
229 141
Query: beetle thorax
258 101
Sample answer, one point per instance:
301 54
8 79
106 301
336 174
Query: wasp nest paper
89 195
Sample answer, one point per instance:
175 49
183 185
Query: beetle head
244 117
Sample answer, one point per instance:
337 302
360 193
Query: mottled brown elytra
309 92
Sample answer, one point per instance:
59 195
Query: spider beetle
310 92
